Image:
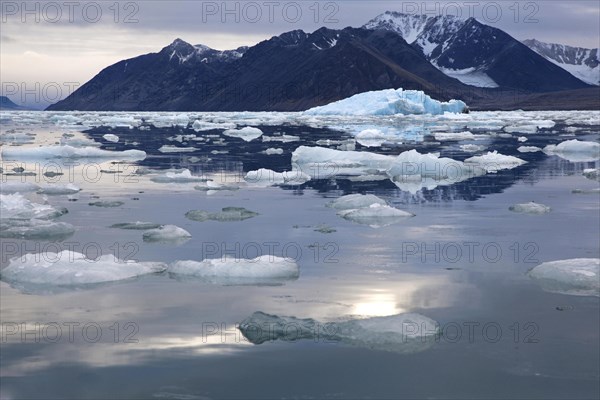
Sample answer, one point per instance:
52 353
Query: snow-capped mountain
475 53
182 52
581 62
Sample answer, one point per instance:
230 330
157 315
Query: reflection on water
461 261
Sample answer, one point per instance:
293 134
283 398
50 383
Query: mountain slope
581 62
477 54
7 104
293 71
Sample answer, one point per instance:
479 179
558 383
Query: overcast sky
59 45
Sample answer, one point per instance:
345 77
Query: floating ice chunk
43 152
575 150
577 276
247 133
592 173
18 187
138 226
262 270
401 333
454 136
522 139
227 214
80 142
166 233
15 206
528 149
35 229
295 177
530 208
184 176
389 102
283 138
69 268
264 177
207 126
111 138
271 151
324 163
584 191
521 128
55 190
106 203
371 138
174 149
471 148
494 161
354 201
375 215
166 121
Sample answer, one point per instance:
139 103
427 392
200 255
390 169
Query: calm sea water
462 261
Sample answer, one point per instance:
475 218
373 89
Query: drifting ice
402 333
111 138
55 190
227 214
262 270
578 276
530 208
494 161
389 102
376 215
42 152
247 134
575 150
354 201
69 268
166 233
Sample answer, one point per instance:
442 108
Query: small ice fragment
575 150
371 138
111 138
183 176
166 233
530 208
174 149
376 215
138 226
106 203
494 161
247 133
454 136
273 151
227 214
354 201
522 139
53 190
471 148
528 149
592 173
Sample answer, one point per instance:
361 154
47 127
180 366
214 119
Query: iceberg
494 161
111 138
575 150
530 208
324 163
389 102
69 268
354 201
227 214
166 233
401 333
375 215
247 133
262 270
578 276
44 152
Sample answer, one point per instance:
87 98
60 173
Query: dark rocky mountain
477 54
7 104
581 62
293 71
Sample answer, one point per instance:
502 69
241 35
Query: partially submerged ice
227 214
354 201
268 177
575 150
577 276
44 152
137 226
69 268
494 161
183 176
262 270
166 233
389 102
530 208
247 133
401 333
375 215
56 190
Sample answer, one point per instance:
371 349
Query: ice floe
44 152
273 151
375 215
578 276
528 149
247 133
354 201
183 176
227 214
401 333
266 177
138 225
389 102
530 208
262 270
111 138
454 136
494 161
55 190
575 150
174 149
166 233
471 148
592 173
68 268
371 138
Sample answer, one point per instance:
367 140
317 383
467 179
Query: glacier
389 102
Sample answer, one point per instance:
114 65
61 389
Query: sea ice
166 233
111 138
227 214
55 190
43 152
354 201
375 215
262 270
138 226
389 102
272 151
371 138
530 208
15 206
575 150
401 333
494 161
592 173
441 136
578 276
174 149
528 149
323 163
471 148
69 268
184 176
18 187
247 133
106 203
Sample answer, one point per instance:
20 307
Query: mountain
7 104
581 62
477 54
290 72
